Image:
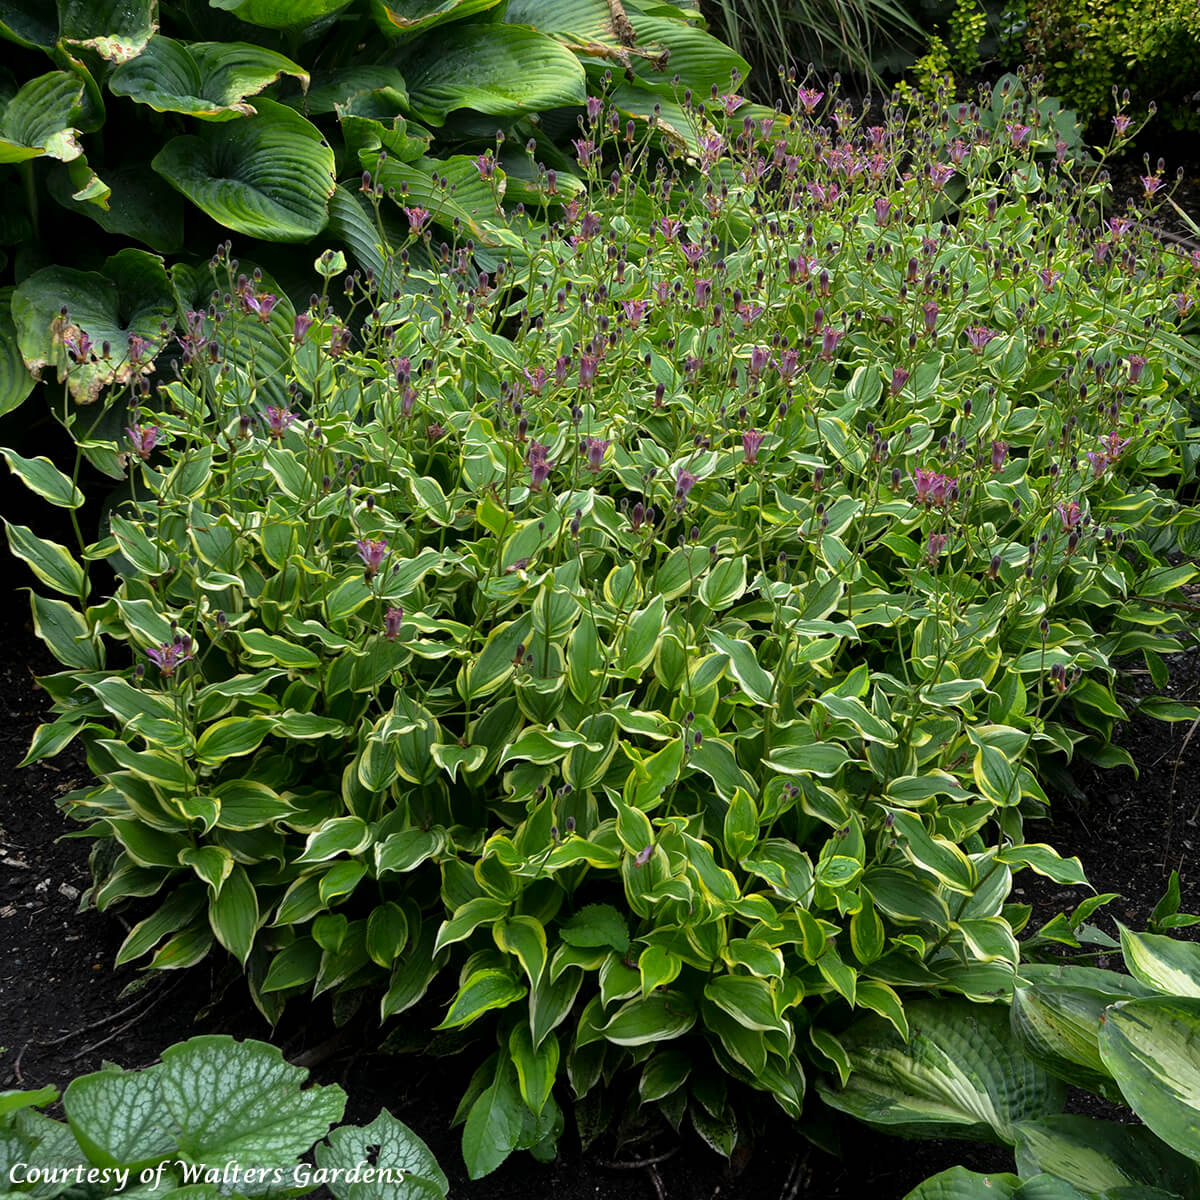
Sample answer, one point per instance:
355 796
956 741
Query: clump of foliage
161 125
1129 1038
215 1118
646 651
1092 51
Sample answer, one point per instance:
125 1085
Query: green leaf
960 1073
40 475
662 1015
15 381
268 176
960 1184
117 1116
280 14
209 80
40 119
65 631
1152 1049
754 681
536 1068
407 18
494 1123
596 925
724 584
233 914
524 937
1096 1156
387 933
937 855
116 30
294 966
337 835
242 1101
482 991
232 737
50 562
1163 963
750 1001
130 295
1045 860
406 850
501 70
277 649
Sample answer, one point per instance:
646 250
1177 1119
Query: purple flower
138 346
587 369
751 441
684 482
1114 445
669 227
760 359
79 345
1018 134
958 150
1183 303
300 327
978 337
339 341
1121 123
585 151
537 379
169 655
1069 515
194 341
940 175
594 106
932 487
372 554
1137 364
1150 185
278 420
418 218
589 226
703 292
934 547
485 164
788 364
931 315
899 379
539 467
635 310
392 620
594 448
643 856
883 210
809 98
1049 278
999 455
262 305
829 341
1099 462
143 438
693 252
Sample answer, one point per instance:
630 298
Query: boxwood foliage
153 127
648 652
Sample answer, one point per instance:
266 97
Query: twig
637 1164
659 1191
622 27
154 998
116 1033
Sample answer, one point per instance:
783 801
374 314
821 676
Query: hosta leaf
1164 963
209 80
388 1142
342 89
280 14
268 176
406 18
41 118
242 1101
15 381
501 70
1096 1156
960 1074
29 23
130 295
117 30
960 1184
1152 1048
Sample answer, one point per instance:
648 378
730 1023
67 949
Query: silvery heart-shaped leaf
388 1143
131 296
118 1116
268 176
242 1101
209 80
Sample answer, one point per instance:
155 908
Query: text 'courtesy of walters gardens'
230 1173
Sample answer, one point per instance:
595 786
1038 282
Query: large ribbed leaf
41 119
406 18
1096 1156
117 30
670 119
582 20
131 295
209 80
268 176
139 205
501 70
960 1184
672 48
345 89
15 381
280 14
1152 1048
960 1074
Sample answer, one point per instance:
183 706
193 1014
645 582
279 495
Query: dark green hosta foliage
159 126
172 1131
1132 1039
655 683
